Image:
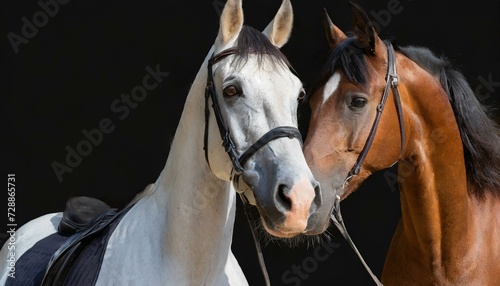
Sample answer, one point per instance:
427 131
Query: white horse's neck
202 206
188 217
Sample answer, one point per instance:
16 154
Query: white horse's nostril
299 198
283 197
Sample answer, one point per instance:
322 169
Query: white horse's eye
231 90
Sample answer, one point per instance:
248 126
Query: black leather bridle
391 84
227 142
229 146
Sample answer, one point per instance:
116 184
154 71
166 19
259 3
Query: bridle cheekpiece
391 84
238 161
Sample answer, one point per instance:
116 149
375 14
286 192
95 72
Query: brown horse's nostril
317 199
283 198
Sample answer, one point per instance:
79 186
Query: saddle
79 212
84 219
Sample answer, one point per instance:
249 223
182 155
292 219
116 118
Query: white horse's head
257 92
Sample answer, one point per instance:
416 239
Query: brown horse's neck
436 232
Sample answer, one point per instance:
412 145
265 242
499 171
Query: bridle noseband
227 142
391 84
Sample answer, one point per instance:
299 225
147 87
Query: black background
90 52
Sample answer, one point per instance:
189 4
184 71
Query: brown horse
446 146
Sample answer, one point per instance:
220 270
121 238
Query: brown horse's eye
230 91
358 102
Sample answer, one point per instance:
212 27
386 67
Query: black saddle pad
32 265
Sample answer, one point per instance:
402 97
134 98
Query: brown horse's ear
333 34
364 30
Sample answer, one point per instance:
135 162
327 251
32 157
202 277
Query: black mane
480 135
347 56
252 41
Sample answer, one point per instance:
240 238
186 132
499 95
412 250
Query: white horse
180 229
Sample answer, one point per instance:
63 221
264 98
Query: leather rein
391 84
239 161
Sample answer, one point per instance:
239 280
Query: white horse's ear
231 21
280 28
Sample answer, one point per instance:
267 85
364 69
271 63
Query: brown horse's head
344 106
357 107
